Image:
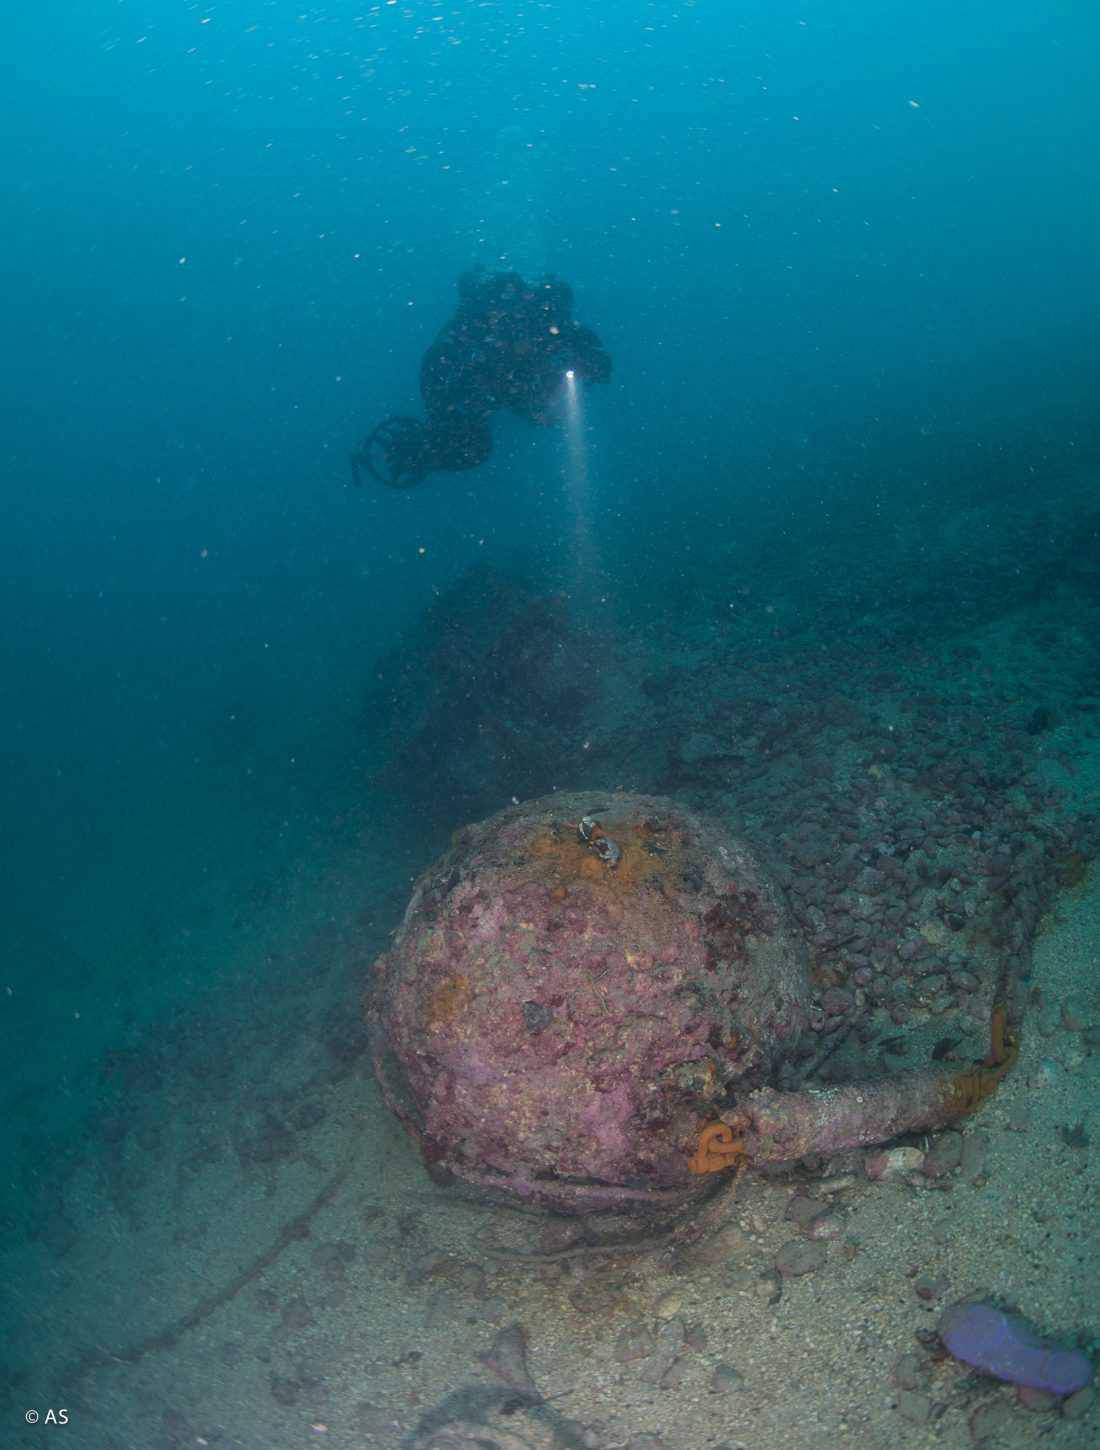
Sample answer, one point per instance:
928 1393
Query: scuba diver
510 344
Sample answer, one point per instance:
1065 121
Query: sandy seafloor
204 1288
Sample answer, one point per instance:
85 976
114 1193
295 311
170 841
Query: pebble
944 1156
284 1390
1078 1405
443 1308
726 1377
333 1259
493 1310
297 1314
914 1407
825 1228
928 1288
800 1256
911 1371
558 1234
803 1211
1033 1399
1048 1021
990 1423
636 1341
668 1305
371 1420
837 1185
975 1152
470 1278
595 1295
1045 1074
1072 1020
506 1358
716 1249
893 1163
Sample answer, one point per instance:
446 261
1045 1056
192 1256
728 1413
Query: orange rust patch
647 855
452 996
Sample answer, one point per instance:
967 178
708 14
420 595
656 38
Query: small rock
825 1228
975 1151
944 1156
558 1233
1072 1019
990 1424
1048 1021
698 748
333 1259
726 1377
893 1163
493 1310
800 1256
284 1390
177 1427
297 1314
928 1288
803 1211
740 1279
372 1420
914 1407
668 1305
425 1268
506 1358
911 1371
307 1115
470 1279
1047 1073
443 1308
1033 1399
595 1295
715 1249
1079 1404
673 1374
838 1184
636 1341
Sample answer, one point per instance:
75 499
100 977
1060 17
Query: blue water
843 256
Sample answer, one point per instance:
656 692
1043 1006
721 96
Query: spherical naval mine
577 986
592 998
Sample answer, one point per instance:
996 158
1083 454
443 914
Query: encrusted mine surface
556 1028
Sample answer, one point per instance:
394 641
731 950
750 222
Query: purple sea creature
1008 1347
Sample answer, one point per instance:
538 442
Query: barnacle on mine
592 835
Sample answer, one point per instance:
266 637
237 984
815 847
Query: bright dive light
569 375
